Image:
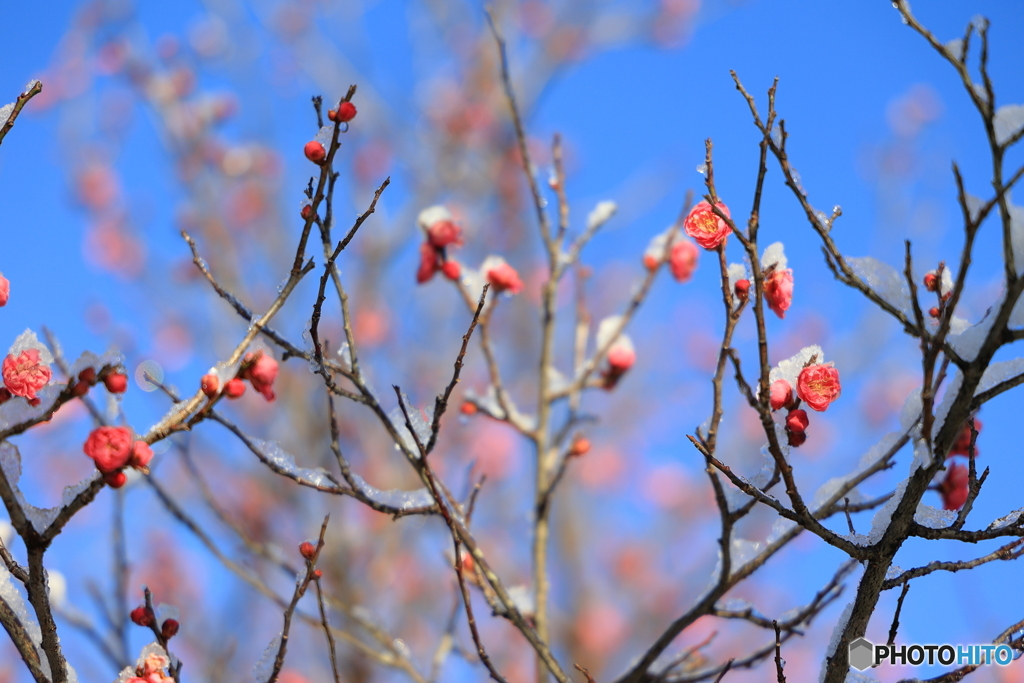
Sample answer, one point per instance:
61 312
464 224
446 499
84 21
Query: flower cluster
115 448
440 233
817 385
258 367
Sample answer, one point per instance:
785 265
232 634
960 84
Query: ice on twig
969 342
837 635
974 205
911 411
1000 372
522 598
40 518
1017 234
774 254
10 594
780 528
261 672
1008 121
884 280
325 135
396 498
790 368
420 418
601 213
1006 521
934 518
956 48
433 214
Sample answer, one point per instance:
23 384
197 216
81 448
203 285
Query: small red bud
307 550
88 375
931 282
796 439
115 480
169 628
933 312
210 385
142 615
452 270
80 389
315 152
317 573
797 420
116 382
467 408
332 114
580 446
467 563
234 388
307 210
742 289
346 112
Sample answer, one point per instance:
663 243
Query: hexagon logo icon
862 654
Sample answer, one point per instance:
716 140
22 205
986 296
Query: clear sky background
875 118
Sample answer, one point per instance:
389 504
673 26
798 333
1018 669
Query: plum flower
705 226
5 290
261 373
818 385
444 233
954 487
778 290
441 232
25 374
962 445
429 263
683 260
502 276
110 448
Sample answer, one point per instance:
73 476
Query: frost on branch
601 213
790 368
884 280
1008 121
420 418
265 667
1017 234
40 518
10 594
774 254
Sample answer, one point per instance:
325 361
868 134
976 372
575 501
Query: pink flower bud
781 394
5 290
116 383
683 260
234 388
451 270
210 385
797 420
25 374
346 112
110 448
778 291
742 289
504 277
818 385
954 487
704 226
428 263
307 550
141 455
445 233
315 152
115 480
621 359
262 373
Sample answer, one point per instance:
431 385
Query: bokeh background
162 116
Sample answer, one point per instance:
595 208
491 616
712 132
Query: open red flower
5 290
110 448
778 291
25 374
704 225
818 385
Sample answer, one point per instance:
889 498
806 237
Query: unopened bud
307 550
169 628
